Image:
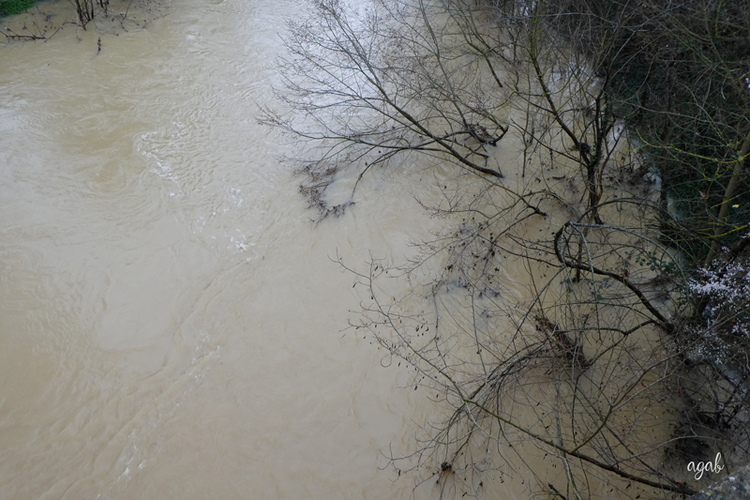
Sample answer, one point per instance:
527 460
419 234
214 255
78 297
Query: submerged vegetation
85 9
107 17
589 303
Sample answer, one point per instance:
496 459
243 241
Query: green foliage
653 261
12 7
680 79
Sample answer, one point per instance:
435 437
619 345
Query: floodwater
172 322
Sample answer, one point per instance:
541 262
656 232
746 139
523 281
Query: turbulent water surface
171 320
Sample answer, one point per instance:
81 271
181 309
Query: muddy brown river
172 323
172 320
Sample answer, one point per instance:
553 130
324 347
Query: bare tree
552 320
88 9
384 83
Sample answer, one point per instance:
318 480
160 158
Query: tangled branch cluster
549 326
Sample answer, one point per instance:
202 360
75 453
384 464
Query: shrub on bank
680 79
13 7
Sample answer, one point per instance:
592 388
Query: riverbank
680 81
47 18
13 7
